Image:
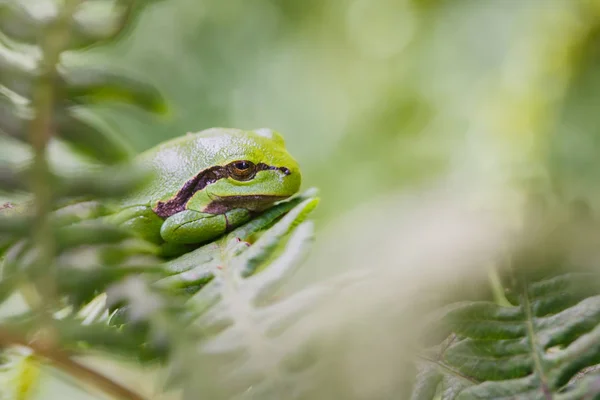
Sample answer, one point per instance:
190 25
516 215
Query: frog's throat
177 203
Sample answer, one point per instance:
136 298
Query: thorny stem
63 360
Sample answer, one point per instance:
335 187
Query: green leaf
101 22
586 388
15 225
527 351
80 255
11 179
19 373
77 212
89 233
80 286
155 317
8 285
426 383
88 134
267 243
18 71
75 336
108 182
269 216
99 84
18 23
267 283
13 119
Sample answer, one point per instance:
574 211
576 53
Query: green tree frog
207 183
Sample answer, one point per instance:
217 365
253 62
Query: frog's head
246 169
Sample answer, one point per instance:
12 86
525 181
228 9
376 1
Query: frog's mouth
221 205
177 203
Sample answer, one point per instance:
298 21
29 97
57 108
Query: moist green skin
193 198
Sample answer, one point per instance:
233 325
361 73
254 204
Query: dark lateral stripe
264 167
199 182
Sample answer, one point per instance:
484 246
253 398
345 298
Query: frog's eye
242 170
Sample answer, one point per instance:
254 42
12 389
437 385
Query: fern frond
237 307
531 350
55 252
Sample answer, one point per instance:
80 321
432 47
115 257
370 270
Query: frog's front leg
191 226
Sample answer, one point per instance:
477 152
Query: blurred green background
377 96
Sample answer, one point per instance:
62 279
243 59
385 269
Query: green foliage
387 92
58 255
237 307
538 348
25 71
90 286
200 278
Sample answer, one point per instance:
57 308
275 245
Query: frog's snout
292 179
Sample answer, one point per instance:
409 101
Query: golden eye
242 170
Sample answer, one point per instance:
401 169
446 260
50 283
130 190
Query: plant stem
62 360
55 41
496 286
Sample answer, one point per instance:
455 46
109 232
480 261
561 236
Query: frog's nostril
285 170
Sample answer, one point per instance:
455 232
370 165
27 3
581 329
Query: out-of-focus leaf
192 270
8 285
78 211
284 266
94 22
91 25
109 182
15 225
17 71
6 241
81 254
81 285
75 336
10 179
88 233
13 120
88 134
17 258
101 22
19 373
97 84
155 317
18 23
129 254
